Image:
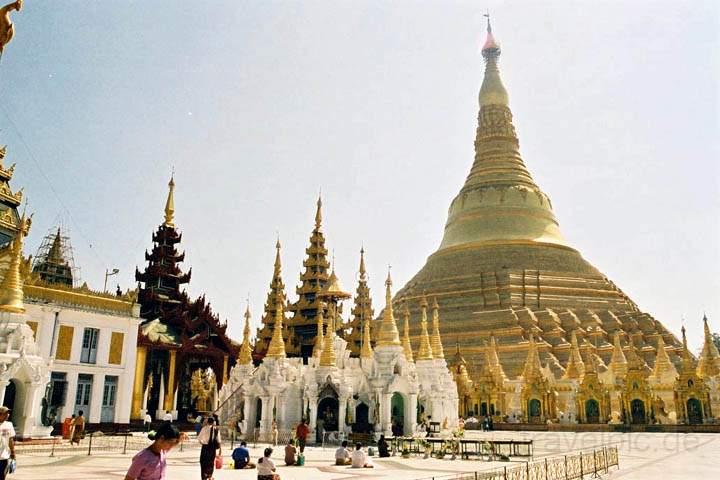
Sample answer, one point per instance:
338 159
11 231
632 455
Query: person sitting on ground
383 447
342 455
359 459
241 457
290 452
266 467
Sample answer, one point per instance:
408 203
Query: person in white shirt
359 459
342 455
266 467
7 441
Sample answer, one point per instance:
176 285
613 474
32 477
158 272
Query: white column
246 416
411 415
3 386
70 393
266 421
313 414
386 409
96 397
342 407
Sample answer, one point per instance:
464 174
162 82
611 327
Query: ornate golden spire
618 362
709 361
575 366
366 350
275 300
494 361
663 366
11 288
425 349
407 348
500 201
328 357
362 310
688 365
170 204
245 355
319 337
435 340
388 335
277 344
532 363
318 214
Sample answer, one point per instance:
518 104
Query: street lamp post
109 273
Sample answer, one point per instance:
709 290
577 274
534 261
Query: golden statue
201 387
6 26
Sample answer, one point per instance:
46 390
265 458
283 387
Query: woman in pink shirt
149 463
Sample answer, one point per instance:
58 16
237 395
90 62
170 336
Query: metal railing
567 467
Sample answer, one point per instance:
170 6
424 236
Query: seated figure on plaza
342 455
241 457
359 458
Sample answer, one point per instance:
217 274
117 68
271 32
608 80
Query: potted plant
406 452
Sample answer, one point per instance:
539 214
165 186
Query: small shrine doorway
694 411
534 410
258 412
592 411
362 419
483 409
637 411
397 414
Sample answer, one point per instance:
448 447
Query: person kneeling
342 455
241 457
359 459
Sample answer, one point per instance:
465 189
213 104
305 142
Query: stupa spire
245 355
532 363
575 366
618 362
362 309
277 344
407 348
319 336
500 201
275 301
328 357
663 365
318 213
388 334
435 340
709 361
425 349
366 350
170 204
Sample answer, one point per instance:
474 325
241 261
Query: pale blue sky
260 104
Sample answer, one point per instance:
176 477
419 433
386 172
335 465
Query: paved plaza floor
642 456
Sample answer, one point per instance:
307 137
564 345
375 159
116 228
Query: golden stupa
503 268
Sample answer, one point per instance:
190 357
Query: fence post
582 474
546 469
90 444
606 459
595 462
52 451
527 469
566 472
505 473
125 445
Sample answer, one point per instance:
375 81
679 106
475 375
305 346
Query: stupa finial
170 203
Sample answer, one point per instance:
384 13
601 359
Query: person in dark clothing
383 447
211 447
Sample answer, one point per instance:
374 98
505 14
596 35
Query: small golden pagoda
273 303
362 310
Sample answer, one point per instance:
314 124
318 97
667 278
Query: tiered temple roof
303 323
